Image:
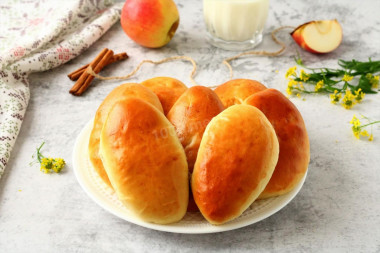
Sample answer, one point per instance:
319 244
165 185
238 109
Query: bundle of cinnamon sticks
83 79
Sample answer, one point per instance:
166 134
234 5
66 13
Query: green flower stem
305 91
345 86
375 122
39 154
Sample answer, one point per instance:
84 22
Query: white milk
235 20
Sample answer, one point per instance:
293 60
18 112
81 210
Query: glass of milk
235 24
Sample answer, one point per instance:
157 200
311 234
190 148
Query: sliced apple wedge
318 36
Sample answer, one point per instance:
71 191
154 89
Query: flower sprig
358 128
340 83
48 164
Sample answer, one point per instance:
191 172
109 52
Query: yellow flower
319 86
291 85
370 138
304 76
298 95
356 133
347 78
348 100
364 133
335 97
359 95
373 80
353 119
356 129
46 165
291 72
58 164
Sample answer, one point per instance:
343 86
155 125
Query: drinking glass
235 24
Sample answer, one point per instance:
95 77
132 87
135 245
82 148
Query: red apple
150 23
318 36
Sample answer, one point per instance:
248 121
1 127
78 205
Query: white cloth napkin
38 35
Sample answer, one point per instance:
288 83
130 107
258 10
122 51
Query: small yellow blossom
46 164
335 98
370 138
348 100
356 133
347 78
355 122
364 133
319 86
359 95
291 85
373 80
304 76
58 164
291 72
298 95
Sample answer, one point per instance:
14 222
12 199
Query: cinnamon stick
87 78
77 73
84 76
118 57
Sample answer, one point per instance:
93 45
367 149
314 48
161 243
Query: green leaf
365 85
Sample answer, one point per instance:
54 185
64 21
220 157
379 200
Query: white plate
192 223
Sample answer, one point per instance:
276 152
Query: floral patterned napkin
37 35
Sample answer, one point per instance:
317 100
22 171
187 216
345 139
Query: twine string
191 60
173 58
265 53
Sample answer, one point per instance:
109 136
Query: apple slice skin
297 36
299 39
